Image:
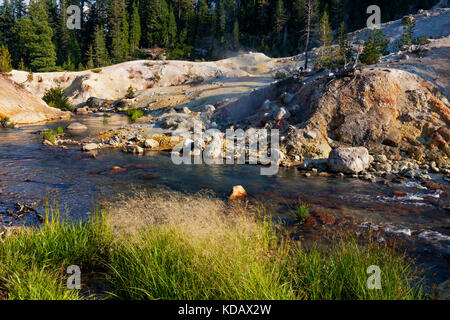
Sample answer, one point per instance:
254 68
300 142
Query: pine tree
203 18
101 57
62 34
6 23
325 33
408 23
279 19
221 23
125 37
236 35
90 58
135 29
172 28
34 36
118 31
73 50
5 60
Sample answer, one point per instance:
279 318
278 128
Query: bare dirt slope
433 24
22 107
432 63
113 81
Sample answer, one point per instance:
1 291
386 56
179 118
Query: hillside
23 107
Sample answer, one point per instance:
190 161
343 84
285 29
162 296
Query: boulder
238 192
94 102
76 126
89 146
151 143
349 160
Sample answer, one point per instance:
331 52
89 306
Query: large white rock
349 160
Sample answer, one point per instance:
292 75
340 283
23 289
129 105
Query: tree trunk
308 31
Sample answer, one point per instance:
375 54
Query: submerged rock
76 126
349 160
133 149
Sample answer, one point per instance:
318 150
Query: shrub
130 93
135 114
374 47
56 98
30 77
6 123
96 70
5 60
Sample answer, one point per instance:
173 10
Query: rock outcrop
388 111
22 107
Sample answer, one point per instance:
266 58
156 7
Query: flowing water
30 172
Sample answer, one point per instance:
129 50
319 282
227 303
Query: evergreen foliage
36 34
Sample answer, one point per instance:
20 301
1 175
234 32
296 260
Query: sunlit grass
234 254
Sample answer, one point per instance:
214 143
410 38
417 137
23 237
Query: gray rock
151 143
133 149
90 146
349 160
94 102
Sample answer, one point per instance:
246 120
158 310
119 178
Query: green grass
302 211
33 261
243 260
52 134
